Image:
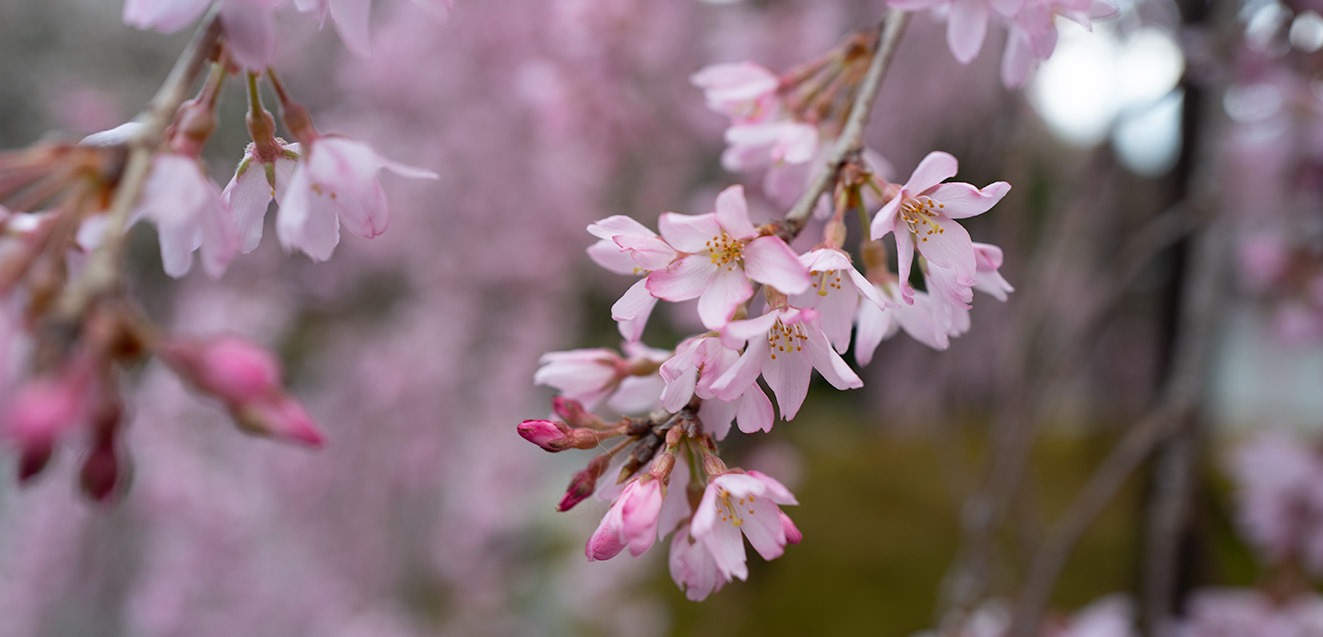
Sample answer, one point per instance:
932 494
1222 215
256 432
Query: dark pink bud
568 409
583 484
550 435
100 473
228 367
43 409
33 461
280 417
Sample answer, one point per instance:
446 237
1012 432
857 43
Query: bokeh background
426 514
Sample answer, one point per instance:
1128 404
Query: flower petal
689 233
960 200
725 291
733 213
685 279
934 169
770 261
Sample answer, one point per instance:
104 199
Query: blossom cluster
1111 616
770 318
67 328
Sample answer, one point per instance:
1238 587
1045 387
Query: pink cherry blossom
228 367
721 252
742 91
697 364
917 318
967 21
336 182
626 246
631 521
248 25
769 144
351 18
987 278
186 206
1033 32
922 214
837 291
784 347
590 376
256 183
693 567
739 505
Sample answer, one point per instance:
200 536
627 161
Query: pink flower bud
583 484
228 367
280 417
568 409
42 410
547 434
101 472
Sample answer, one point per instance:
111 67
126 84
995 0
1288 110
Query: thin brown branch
851 140
102 272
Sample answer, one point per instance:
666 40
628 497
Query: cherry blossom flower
784 347
697 364
742 91
836 293
917 318
1033 32
590 376
922 214
336 182
626 246
351 18
248 25
721 252
631 521
255 184
967 21
186 206
736 504
987 278
693 567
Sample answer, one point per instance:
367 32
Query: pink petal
966 27
774 490
250 33
875 325
615 225
1017 61
306 223
951 248
764 530
249 196
884 221
934 169
632 310
737 333
351 21
716 416
689 233
755 410
685 279
960 200
788 377
770 261
439 10
605 543
725 291
744 373
829 363
166 16
733 213
649 252
726 544
607 254
905 259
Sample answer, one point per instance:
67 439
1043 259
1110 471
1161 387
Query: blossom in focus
630 522
625 246
740 505
837 291
697 364
255 184
336 182
784 347
189 213
720 253
922 214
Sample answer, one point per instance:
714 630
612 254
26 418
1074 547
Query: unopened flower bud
33 461
573 412
583 484
228 367
43 409
549 435
101 472
662 466
280 417
713 466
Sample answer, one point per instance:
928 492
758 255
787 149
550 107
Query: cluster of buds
67 327
770 318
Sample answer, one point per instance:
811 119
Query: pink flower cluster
1279 495
1031 24
802 322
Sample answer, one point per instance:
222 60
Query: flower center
726 250
729 510
786 339
920 214
828 281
